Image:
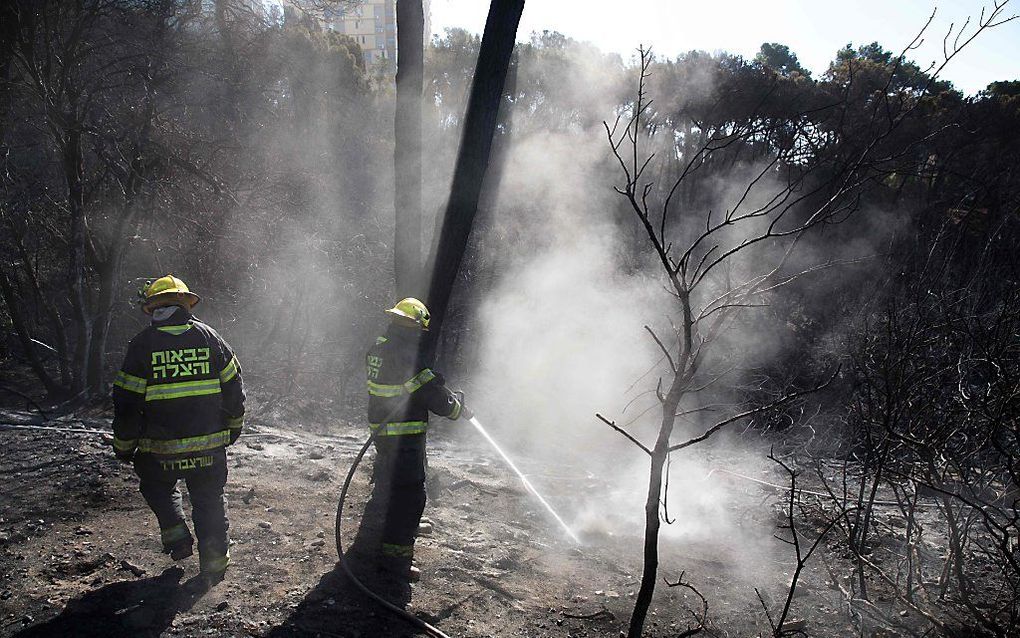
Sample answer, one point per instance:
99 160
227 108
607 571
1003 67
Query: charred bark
650 562
73 165
473 158
407 148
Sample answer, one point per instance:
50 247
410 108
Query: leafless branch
624 433
753 412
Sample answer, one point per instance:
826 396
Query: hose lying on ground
20 426
403 613
786 488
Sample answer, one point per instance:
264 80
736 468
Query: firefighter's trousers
399 494
205 476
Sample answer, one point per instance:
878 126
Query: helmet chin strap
164 313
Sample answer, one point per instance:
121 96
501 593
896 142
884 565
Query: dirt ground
79 552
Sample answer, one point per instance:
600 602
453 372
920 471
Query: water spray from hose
524 479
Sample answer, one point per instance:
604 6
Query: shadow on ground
141 608
337 607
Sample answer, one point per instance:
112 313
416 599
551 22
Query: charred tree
407 148
755 237
482 265
473 157
489 199
104 164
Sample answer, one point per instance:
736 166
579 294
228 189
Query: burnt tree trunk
407 149
489 198
653 501
473 158
73 164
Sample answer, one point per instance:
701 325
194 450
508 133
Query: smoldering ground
562 336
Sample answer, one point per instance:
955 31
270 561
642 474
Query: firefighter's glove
465 412
122 455
234 425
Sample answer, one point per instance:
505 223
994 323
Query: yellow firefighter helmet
167 291
411 310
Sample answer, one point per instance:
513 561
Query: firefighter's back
183 390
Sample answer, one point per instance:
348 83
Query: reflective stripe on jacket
401 391
178 392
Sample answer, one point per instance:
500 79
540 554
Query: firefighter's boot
181 550
213 565
399 569
395 562
177 541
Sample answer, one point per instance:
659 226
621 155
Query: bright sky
813 29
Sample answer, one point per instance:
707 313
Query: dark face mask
165 312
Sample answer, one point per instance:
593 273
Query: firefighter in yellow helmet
178 402
402 391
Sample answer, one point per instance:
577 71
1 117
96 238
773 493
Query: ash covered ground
80 552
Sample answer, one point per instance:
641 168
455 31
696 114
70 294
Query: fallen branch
489 584
691 631
19 426
464 482
27 399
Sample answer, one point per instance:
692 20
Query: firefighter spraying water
403 392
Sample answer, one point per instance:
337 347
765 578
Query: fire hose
22 426
402 613
418 622
394 609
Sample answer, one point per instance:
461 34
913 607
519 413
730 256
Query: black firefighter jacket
401 389
179 394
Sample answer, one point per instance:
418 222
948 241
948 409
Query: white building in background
373 25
